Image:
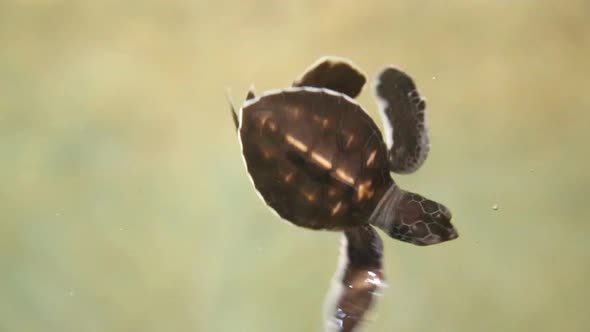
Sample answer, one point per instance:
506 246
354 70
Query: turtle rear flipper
357 281
335 74
403 112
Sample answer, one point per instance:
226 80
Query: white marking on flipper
336 289
381 107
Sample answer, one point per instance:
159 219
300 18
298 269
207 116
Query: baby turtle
320 162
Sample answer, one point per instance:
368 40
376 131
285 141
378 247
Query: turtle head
413 218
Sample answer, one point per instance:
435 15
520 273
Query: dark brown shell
315 156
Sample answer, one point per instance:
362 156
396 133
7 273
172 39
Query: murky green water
124 204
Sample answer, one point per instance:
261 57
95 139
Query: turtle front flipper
357 281
335 74
403 112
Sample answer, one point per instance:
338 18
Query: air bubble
495 207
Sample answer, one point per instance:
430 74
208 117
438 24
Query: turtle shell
315 156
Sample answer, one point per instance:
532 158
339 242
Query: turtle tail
251 94
232 109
